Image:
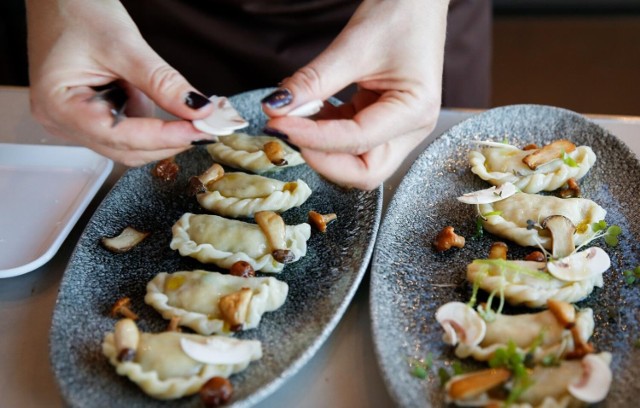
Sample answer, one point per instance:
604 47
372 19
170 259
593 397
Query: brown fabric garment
225 47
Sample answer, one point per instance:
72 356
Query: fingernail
278 99
276 133
203 142
196 101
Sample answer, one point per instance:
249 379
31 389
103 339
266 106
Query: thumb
147 71
330 72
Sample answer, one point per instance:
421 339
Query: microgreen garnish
514 267
420 368
509 357
602 229
550 360
636 344
632 276
489 214
531 224
457 368
479 229
443 375
568 160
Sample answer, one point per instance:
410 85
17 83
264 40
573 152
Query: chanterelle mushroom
447 238
562 230
461 324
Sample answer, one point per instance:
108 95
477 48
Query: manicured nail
196 101
203 142
278 99
276 133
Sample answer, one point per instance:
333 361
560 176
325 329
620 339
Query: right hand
78 45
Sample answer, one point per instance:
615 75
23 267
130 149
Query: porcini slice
562 230
581 265
489 195
461 324
595 382
220 350
213 173
273 226
224 119
548 153
235 306
474 384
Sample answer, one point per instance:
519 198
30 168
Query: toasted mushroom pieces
548 153
447 239
273 226
320 221
127 240
121 308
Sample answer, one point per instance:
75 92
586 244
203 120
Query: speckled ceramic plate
321 284
410 280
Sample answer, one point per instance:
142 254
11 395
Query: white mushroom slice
163 370
499 165
243 151
125 241
489 195
513 218
490 143
595 382
224 119
307 109
220 241
219 350
528 282
194 296
461 324
242 195
580 265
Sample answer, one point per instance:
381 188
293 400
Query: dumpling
246 152
242 195
571 383
171 365
547 333
211 302
500 163
511 218
220 241
530 283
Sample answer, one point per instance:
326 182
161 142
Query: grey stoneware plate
321 284
409 280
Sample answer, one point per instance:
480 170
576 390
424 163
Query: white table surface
343 373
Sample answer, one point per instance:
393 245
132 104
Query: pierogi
211 302
499 165
164 367
246 152
220 241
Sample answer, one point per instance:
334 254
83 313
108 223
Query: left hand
394 52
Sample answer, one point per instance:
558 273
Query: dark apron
225 47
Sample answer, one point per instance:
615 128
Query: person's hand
86 59
393 51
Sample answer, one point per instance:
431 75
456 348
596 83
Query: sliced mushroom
275 153
461 324
235 306
472 385
213 173
565 313
562 230
548 153
580 265
489 195
220 350
273 226
127 338
595 382
125 241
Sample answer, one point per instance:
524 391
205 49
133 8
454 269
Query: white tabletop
343 373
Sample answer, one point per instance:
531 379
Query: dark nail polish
276 133
203 142
278 99
196 101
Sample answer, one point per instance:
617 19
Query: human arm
394 52
78 45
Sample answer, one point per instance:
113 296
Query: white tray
44 190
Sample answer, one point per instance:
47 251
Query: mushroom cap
489 195
221 350
596 378
562 230
461 324
223 120
580 265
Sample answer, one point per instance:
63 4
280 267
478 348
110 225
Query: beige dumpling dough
499 165
211 302
221 241
163 370
242 195
245 152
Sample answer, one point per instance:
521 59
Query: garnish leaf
568 160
